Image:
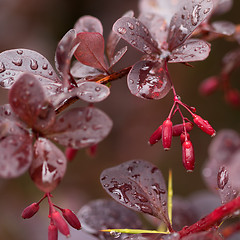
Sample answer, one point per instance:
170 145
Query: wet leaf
148 80
107 214
48 166
231 61
92 91
81 127
187 18
136 34
15 145
165 9
117 57
88 24
138 185
63 55
192 50
82 71
16 61
223 27
91 50
113 40
222 6
28 101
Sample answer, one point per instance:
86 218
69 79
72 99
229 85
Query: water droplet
222 178
2 67
50 73
144 208
130 25
206 10
8 82
137 23
120 190
133 42
156 188
97 89
19 51
33 64
60 161
195 15
131 81
140 197
184 7
17 62
115 234
122 30
147 49
130 169
45 66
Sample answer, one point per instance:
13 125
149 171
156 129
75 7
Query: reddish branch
213 219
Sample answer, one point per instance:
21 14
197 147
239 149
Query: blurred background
39 25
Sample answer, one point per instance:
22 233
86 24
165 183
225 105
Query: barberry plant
38 118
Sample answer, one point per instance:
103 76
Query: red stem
213 219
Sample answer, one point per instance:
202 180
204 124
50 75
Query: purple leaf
148 80
165 9
107 214
16 61
138 185
92 91
28 101
192 50
118 55
91 50
64 53
88 24
231 61
188 17
82 71
81 127
136 34
15 145
48 166
222 6
223 27
113 40
157 27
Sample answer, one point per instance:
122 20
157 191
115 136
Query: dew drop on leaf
222 177
33 64
122 30
2 67
17 62
19 51
195 14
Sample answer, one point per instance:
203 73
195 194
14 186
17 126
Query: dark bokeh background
39 25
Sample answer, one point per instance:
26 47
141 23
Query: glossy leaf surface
187 18
15 145
107 214
63 55
139 185
148 80
16 61
48 166
223 27
81 127
113 40
92 91
28 101
192 50
91 50
136 34
82 71
88 24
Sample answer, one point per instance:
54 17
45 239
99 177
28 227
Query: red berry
60 223
183 137
208 86
204 125
178 129
71 218
233 97
31 210
167 134
188 157
52 232
156 136
70 153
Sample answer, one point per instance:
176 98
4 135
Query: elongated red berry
209 85
167 134
31 210
71 218
232 97
156 136
204 125
60 223
70 153
178 129
188 157
52 232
